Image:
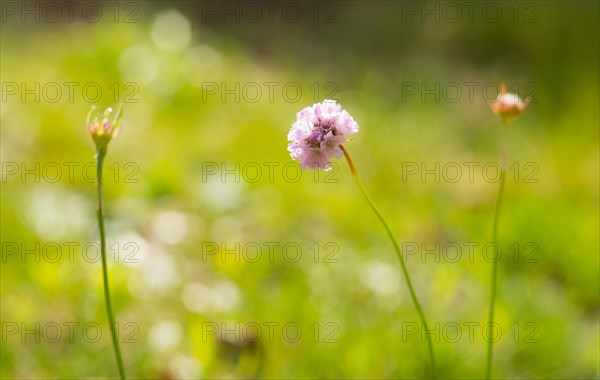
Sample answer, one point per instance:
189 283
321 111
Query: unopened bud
508 106
104 129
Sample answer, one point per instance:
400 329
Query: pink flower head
508 106
317 134
104 130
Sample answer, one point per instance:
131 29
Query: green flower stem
111 319
494 280
398 253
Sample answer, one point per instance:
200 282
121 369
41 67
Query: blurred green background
182 177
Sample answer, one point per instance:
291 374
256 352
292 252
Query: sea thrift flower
317 134
508 106
104 130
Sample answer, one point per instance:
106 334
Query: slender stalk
398 253
111 319
494 279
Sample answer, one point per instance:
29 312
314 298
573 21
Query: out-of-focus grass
173 210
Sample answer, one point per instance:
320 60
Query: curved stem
398 253
111 319
494 279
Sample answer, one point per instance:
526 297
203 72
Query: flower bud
508 106
103 130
